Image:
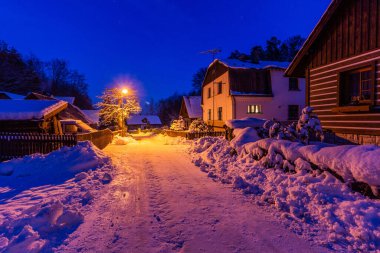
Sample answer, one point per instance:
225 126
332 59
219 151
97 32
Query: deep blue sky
154 42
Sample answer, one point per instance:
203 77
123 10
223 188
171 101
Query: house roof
71 112
93 115
67 99
193 106
297 66
12 95
138 120
30 109
234 63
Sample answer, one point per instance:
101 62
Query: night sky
155 43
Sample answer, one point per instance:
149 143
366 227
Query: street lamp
124 91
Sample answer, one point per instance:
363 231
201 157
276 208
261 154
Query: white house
233 89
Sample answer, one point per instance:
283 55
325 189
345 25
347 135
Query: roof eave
293 69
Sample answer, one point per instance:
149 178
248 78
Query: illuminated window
255 109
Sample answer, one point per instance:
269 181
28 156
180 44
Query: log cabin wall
350 40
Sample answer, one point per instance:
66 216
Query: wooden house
191 109
233 89
72 112
341 60
143 122
40 116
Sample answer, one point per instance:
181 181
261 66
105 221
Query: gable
347 28
215 70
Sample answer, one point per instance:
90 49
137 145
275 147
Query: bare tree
114 108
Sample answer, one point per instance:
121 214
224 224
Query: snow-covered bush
199 126
178 125
309 126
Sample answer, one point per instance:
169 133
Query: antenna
213 52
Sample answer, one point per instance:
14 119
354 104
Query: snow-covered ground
43 198
159 201
311 202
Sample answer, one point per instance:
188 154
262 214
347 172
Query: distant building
191 109
233 89
143 122
341 61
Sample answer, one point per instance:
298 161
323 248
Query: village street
160 202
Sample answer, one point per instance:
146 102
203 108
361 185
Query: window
293 84
356 87
220 88
209 114
293 112
209 93
220 110
255 109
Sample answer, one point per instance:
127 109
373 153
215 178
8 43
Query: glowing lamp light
124 91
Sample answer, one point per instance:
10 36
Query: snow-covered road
160 202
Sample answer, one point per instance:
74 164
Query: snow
13 95
159 201
193 106
69 100
312 202
28 109
243 136
137 120
43 197
233 63
93 115
353 163
245 122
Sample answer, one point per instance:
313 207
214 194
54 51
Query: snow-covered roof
233 63
137 120
29 109
193 106
67 99
93 115
13 95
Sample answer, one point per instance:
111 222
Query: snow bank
312 202
351 162
245 122
43 196
118 140
243 136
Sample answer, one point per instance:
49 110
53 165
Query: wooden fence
13 145
192 136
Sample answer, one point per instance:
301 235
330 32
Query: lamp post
124 93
